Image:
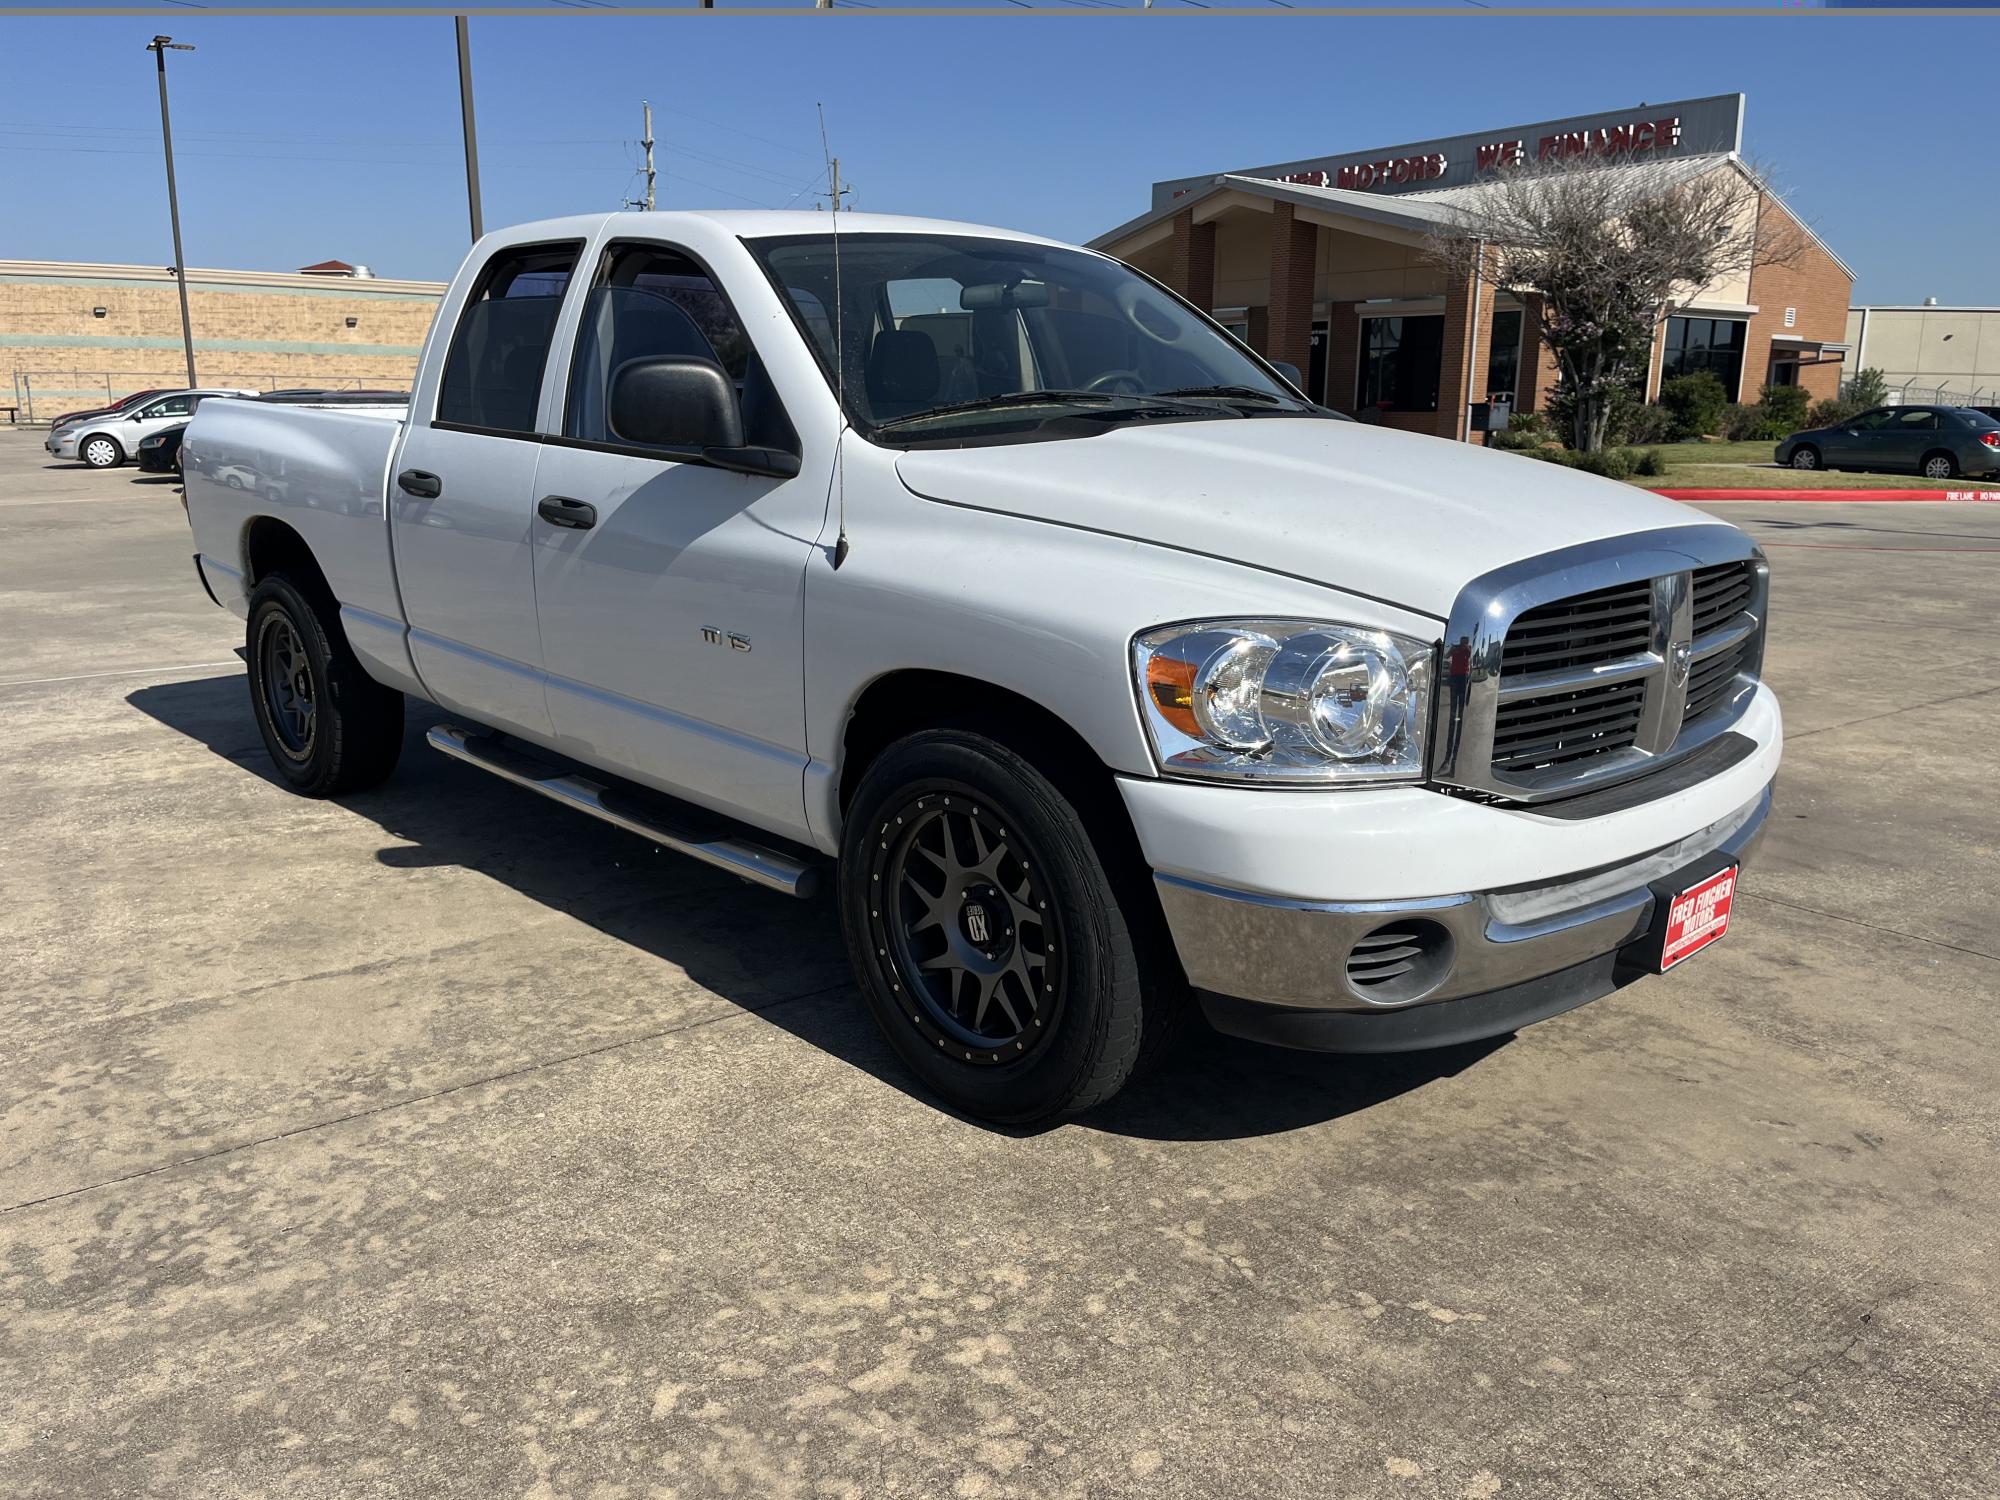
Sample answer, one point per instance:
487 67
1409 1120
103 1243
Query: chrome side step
754 863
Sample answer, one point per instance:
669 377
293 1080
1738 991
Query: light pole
160 46
471 131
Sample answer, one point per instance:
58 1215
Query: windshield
958 336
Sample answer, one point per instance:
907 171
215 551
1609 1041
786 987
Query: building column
1468 337
1293 247
1343 355
1191 260
1539 370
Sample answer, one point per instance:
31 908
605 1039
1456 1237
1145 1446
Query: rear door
672 620
462 499
1909 436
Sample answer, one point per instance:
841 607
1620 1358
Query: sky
300 140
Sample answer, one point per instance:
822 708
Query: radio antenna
834 191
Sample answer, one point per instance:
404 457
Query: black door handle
417 482
560 510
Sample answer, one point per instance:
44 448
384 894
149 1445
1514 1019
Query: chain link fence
43 395
1917 393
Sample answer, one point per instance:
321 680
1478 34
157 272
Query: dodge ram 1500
1100 673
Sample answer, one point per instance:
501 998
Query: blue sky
299 140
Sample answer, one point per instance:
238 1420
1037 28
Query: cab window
493 372
651 302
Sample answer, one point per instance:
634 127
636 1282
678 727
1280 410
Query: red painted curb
1823 496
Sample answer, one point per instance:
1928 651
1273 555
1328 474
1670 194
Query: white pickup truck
1098 671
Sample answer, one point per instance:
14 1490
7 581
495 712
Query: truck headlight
1286 702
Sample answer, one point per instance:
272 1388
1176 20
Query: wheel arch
272 546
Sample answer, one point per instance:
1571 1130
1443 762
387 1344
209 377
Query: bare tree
1612 250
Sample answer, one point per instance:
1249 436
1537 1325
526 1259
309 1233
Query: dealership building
1319 263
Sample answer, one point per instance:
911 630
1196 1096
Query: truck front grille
1588 687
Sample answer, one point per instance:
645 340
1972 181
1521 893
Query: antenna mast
834 191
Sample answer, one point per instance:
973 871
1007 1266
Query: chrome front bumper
1294 954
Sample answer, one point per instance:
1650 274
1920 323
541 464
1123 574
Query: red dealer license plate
1697 916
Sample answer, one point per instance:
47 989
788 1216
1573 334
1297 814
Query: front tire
1805 456
101 452
329 727
985 932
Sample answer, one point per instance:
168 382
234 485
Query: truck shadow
779 959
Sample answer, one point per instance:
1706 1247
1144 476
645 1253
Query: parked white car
108 439
980 574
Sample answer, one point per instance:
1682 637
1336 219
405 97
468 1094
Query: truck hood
1392 515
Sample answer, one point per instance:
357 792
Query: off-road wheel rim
284 672
962 927
100 453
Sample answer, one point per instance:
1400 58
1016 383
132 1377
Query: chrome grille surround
1475 754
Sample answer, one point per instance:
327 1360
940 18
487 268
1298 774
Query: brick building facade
1320 264
71 334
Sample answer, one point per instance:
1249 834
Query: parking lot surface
443 1142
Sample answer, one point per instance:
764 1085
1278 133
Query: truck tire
985 931
329 726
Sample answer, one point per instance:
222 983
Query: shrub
1650 464
1652 423
1696 402
1868 388
1741 423
1832 412
1784 410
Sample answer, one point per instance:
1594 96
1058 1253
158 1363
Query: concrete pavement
442 1142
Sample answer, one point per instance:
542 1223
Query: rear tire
1939 466
968 880
329 726
1805 456
101 452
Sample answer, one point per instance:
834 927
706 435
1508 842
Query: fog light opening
1400 961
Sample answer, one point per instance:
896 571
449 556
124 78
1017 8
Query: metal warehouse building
1318 263
74 334
1940 356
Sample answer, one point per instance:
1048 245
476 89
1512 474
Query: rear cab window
493 371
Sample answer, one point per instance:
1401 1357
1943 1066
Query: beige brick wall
253 329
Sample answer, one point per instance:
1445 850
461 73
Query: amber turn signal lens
1170 684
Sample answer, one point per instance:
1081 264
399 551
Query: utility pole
471 132
647 142
160 46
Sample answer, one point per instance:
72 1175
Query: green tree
1612 252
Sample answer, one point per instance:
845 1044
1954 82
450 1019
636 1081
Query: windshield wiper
1012 398
1235 393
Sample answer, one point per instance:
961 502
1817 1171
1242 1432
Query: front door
1857 442
462 498
671 616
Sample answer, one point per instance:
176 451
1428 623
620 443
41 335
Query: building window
1712 344
1400 361
1503 357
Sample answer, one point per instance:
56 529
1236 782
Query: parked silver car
1938 442
107 439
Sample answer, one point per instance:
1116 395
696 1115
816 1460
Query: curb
1823 497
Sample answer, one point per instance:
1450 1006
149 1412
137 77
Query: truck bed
322 472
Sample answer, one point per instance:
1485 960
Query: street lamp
160 46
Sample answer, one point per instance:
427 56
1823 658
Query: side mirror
675 401
684 401
1290 372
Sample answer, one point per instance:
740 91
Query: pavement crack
736 1012
1891 713
1834 916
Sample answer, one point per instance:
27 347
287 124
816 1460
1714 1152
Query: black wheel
101 451
1805 456
986 933
330 727
1940 466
